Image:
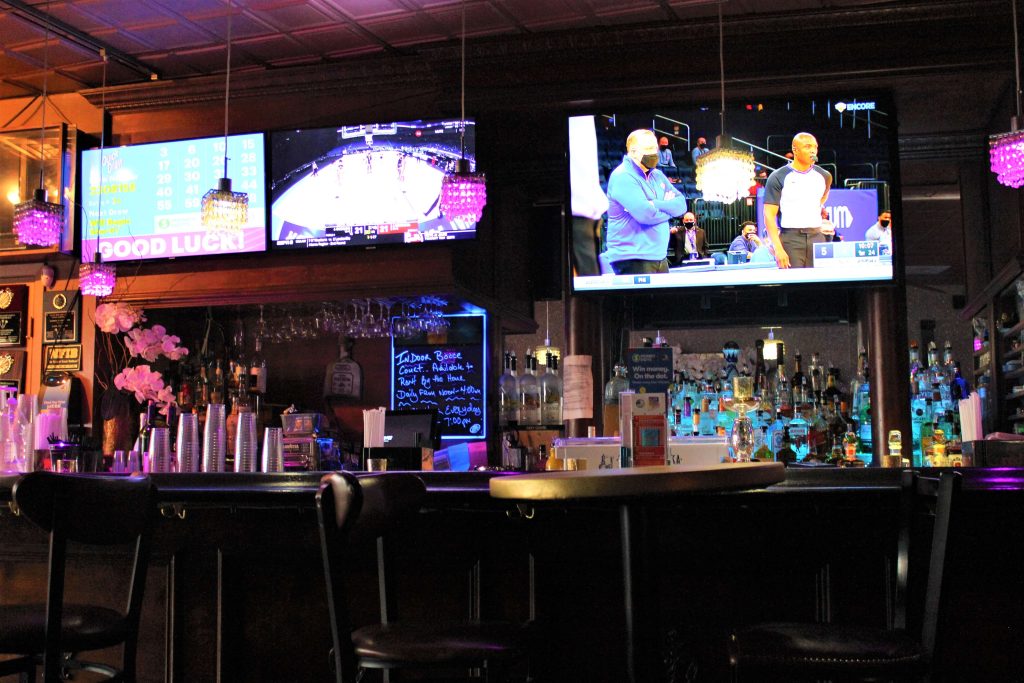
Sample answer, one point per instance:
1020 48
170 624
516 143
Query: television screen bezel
884 99
272 247
79 188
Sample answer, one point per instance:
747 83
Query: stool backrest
939 496
355 510
95 510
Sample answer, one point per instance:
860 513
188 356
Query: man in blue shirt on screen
641 200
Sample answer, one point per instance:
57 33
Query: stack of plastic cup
246 443
159 449
214 439
273 449
189 457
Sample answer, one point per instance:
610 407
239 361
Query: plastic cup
189 455
214 438
273 450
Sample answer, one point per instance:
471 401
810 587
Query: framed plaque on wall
13 313
61 316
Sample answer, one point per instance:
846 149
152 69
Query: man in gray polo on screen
794 204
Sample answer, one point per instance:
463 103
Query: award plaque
13 304
60 318
12 368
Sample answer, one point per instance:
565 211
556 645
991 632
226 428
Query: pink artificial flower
117 317
142 381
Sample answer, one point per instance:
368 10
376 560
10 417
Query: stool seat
83 627
825 648
433 643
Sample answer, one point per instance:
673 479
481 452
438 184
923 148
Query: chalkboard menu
447 376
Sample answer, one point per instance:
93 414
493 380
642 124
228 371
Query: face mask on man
649 161
884 224
689 225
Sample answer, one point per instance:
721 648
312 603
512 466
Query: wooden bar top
637 482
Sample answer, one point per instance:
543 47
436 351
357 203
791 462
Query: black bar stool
798 651
352 510
94 510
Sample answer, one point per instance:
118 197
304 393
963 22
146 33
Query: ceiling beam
36 17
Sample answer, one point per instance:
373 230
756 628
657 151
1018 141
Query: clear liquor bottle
817 375
529 394
615 386
783 395
861 391
508 393
799 432
551 394
344 376
764 452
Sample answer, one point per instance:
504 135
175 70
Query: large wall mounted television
856 138
149 205
366 185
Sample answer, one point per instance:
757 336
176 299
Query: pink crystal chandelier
37 221
464 192
1006 150
96 278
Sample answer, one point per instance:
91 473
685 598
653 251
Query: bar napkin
970 418
373 428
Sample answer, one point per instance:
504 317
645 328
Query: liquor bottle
895 457
707 421
783 395
916 369
959 388
831 394
760 372
799 431
186 388
551 394
851 458
861 392
764 452
785 453
217 383
798 384
817 378
939 455
615 386
529 395
819 428
696 422
258 369
508 393
777 430
344 376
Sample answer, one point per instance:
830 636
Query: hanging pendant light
96 278
1006 150
224 211
723 174
541 352
37 221
463 192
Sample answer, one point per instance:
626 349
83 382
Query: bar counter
236 591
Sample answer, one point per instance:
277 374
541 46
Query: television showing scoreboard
146 202
366 185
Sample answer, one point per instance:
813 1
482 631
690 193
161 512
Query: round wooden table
632 490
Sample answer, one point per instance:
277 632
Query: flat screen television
149 205
856 137
366 185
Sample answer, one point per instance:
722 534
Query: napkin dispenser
993 453
405 458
